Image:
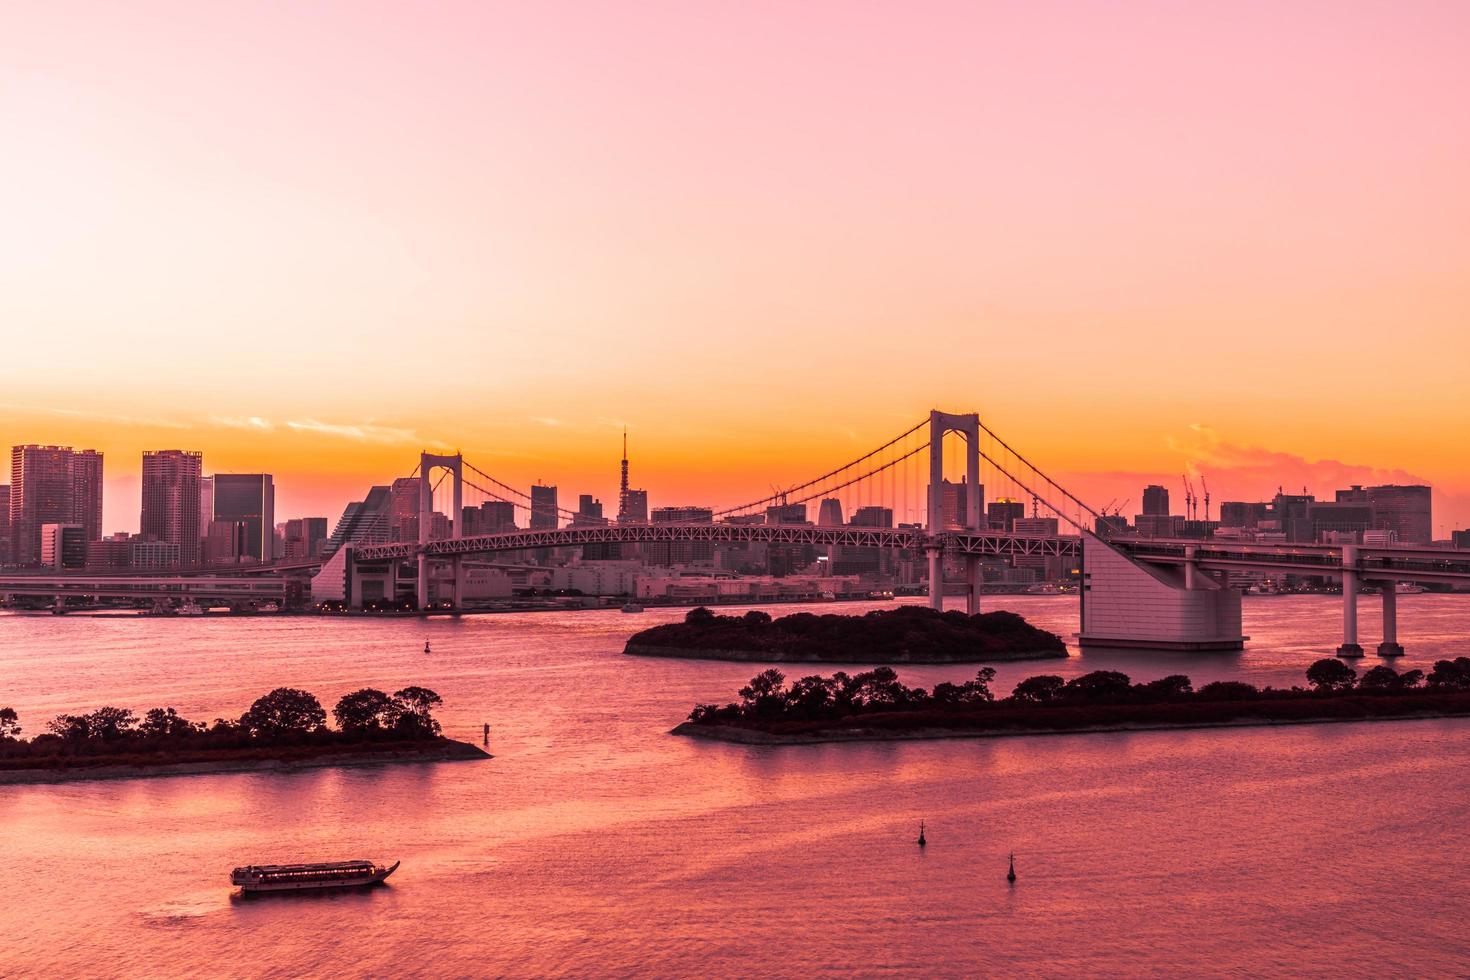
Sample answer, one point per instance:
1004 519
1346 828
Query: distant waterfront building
303 538
829 513
52 485
63 546
955 503
403 509
1460 539
491 517
4 524
225 542
1404 510
589 511
152 554
171 496
363 521
206 504
545 514
251 498
1003 513
1346 519
637 509
1155 500
1237 513
680 552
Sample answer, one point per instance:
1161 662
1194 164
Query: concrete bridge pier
1350 648
1390 646
936 577
973 582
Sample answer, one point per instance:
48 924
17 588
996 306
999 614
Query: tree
104 725
1451 675
699 615
1041 689
1380 678
367 710
757 618
880 688
1098 687
9 723
1330 674
1168 688
165 722
810 697
1410 679
1228 691
415 706
765 694
284 711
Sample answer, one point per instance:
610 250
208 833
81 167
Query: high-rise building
1404 510
52 485
4 524
637 510
171 498
303 538
680 552
1155 500
403 509
589 510
1239 513
206 504
251 498
829 513
1002 514
544 513
954 498
491 517
224 542
362 522
63 546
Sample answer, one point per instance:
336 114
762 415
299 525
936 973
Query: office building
1460 539
680 552
224 543
403 509
1404 510
250 498
829 513
636 511
1002 514
491 517
362 522
63 546
52 485
954 500
4 524
1155 500
1238 513
544 511
171 496
206 504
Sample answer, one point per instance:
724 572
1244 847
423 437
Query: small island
874 705
283 730
906 635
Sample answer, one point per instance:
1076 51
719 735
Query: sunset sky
313 239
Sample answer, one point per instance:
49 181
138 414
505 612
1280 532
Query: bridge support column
1390 646
936 578
457 567
1350 646
972 585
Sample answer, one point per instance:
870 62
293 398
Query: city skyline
1258 252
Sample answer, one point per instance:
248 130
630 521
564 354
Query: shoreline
735 735
777 657
281 759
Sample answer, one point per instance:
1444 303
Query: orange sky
1135 237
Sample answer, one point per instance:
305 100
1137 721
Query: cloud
252 423
1205 452
367 432
544 420
91 416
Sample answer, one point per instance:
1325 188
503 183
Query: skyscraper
4 523
1404 510
1155 500
544 515
206 504
403 509
637 509
171 496
829 513
52 485
249 498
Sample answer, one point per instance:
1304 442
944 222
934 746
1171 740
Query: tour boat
632 607
1045 588
1409 588
309 877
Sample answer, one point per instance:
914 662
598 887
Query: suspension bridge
1135 592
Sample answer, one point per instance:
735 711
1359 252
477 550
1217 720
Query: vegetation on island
907 634
284 719
878 700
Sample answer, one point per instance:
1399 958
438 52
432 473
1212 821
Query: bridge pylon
428 462
968 426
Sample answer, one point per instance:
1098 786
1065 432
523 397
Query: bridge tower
428 462
968 426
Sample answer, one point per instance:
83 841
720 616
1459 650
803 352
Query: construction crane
1188 497
1206 485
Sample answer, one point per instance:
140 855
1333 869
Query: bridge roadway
255 587
1401 563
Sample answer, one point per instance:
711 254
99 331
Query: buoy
1011 874
487 733
426 646
922 841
